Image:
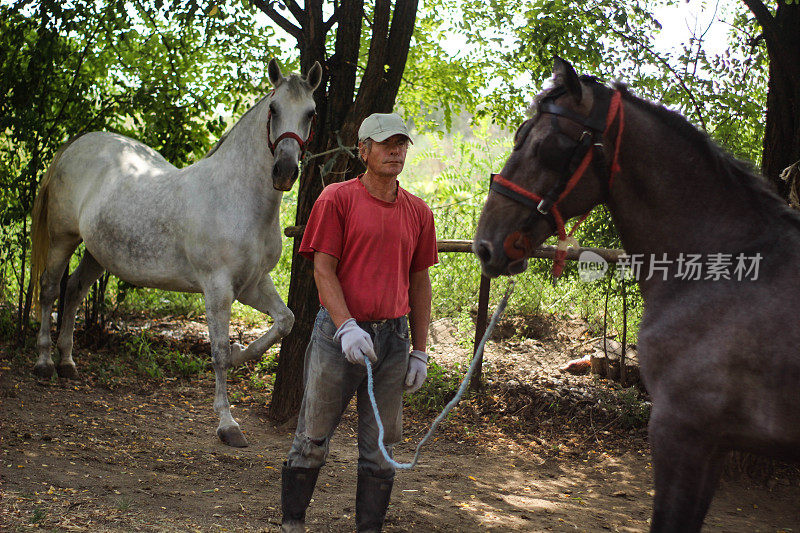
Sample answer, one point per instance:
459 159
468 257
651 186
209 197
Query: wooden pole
465 246
480 329
544 251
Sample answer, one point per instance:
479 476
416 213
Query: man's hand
356 343
417 370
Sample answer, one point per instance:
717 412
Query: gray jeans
330 382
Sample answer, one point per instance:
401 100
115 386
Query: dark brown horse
719 343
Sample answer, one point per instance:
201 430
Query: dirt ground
78 456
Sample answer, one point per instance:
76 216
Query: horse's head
548 177
290 121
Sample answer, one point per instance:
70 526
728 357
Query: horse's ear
314 76
565 75
274 72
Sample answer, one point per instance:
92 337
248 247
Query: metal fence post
480 329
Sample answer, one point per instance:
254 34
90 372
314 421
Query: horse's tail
40 231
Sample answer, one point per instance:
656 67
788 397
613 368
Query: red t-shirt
378 244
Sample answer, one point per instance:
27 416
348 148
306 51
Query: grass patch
123 504
155 361
439 388
38 515
129 357
628 405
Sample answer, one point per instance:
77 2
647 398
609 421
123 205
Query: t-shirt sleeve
324 229
425 254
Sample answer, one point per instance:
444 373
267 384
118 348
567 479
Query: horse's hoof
293 527
44 371
232 436
67 371
237 354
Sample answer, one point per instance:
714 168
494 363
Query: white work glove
417 370
356 343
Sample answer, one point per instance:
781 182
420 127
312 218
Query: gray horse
719 345
212 227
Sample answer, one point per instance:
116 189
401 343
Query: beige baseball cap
381 126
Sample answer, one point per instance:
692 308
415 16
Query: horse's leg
264 298
218 314
686 469
57 260
78 285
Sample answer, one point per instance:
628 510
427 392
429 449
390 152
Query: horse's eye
522 133
273 110
554 151
311 115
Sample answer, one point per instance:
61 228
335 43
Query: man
372 243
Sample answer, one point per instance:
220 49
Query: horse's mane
225 135
738 173
296 84
534 107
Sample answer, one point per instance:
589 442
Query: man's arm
330 288
419 299
356 343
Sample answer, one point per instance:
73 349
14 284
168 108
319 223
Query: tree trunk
303 298
340 114
24 295
781 31
792 178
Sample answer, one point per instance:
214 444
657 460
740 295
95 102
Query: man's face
386 159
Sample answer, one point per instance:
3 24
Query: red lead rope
517 245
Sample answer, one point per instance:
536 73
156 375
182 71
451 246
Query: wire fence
452 177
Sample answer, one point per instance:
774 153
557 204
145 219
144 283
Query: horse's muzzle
284 174
496 264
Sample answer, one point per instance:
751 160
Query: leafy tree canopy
508 49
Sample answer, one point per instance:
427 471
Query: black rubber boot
372 500
297 486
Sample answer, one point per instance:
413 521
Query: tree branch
75 76
762 14
313 37
295 9
331 21
403 19
344 63
372 83
697 108
266 7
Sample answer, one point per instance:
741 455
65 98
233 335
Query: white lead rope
461 390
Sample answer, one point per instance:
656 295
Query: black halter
606 109
592 137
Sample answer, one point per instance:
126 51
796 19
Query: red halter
517 245
287 134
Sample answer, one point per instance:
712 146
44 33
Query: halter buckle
544 206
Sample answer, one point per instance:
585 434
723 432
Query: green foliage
632 409
38 515
123 503
6 322
268 363
155 302
439 388
165 74
506 50
152 361
172 73
142 357
452 175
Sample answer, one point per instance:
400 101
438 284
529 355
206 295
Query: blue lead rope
464 383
